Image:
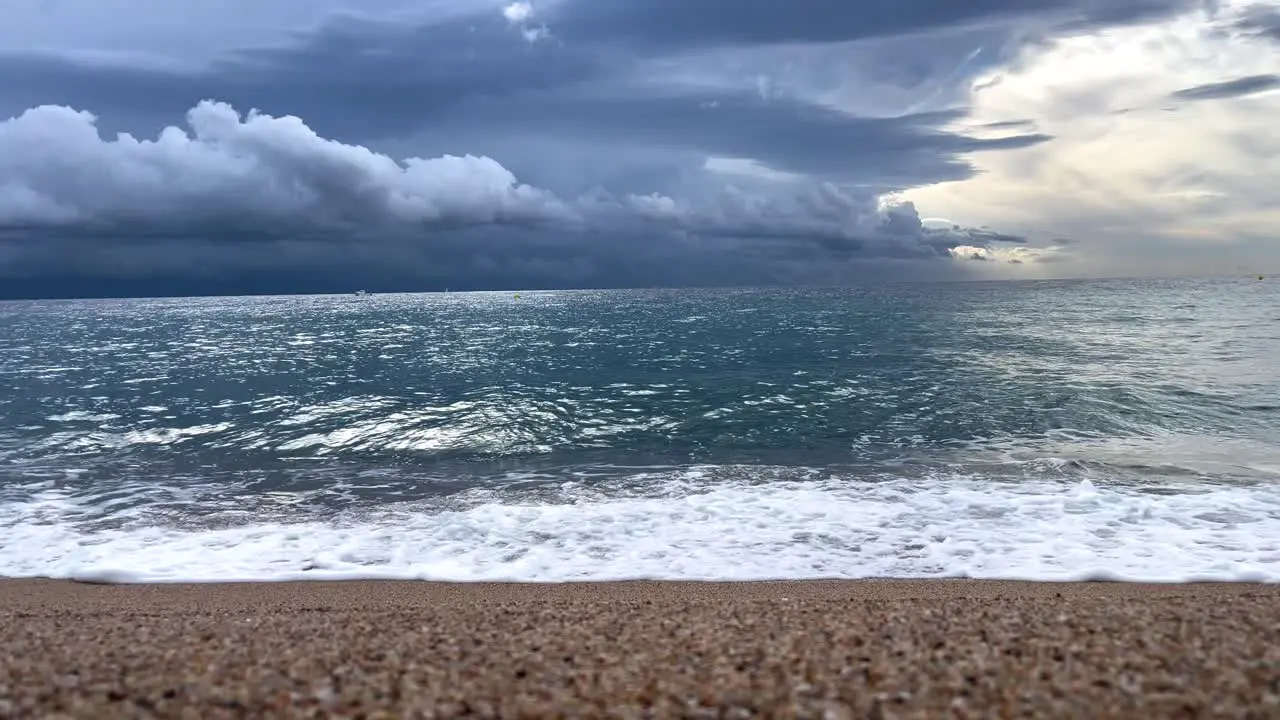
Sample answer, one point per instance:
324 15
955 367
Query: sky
228 147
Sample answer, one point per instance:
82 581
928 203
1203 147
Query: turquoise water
1053 429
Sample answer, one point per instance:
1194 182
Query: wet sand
858 649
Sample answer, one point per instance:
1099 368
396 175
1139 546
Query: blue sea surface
1043 430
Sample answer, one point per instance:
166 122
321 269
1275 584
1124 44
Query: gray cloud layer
1238 87
510 134
677 24
1262 20
254 172
239 193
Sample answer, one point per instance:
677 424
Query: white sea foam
832 528
83 416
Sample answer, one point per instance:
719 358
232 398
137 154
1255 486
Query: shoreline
41 595
908 585
809 648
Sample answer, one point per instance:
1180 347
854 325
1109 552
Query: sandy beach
858 649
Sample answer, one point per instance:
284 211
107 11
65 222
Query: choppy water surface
1036 430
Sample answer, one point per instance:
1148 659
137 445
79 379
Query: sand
863 649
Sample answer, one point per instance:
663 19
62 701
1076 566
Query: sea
1123 430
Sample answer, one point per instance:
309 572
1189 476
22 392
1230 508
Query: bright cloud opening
1134 158
518 12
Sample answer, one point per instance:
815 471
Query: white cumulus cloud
518 12
56 168
231 171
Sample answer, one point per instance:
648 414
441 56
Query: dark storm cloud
236 191
1230 88
231 201
785 134
353 77
397 79
680 24
121 92
470 259
361 78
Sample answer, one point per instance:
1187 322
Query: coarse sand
820 649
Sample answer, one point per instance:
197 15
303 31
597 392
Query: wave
685 526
